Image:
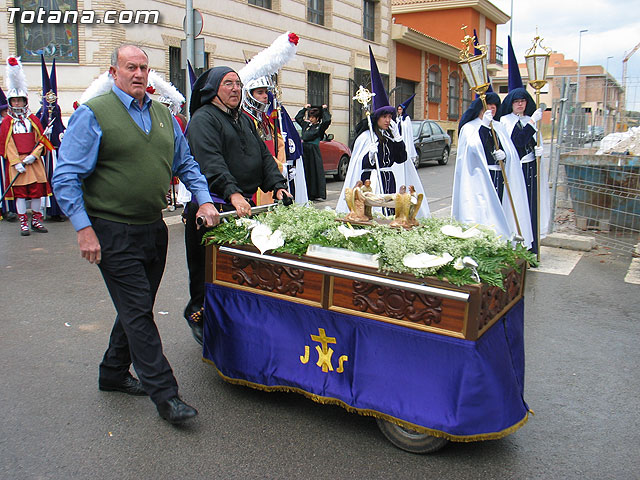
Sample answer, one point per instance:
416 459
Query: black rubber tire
444 159
343 166
417 162
410 440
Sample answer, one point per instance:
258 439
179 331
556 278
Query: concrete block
570 242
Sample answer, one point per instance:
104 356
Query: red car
335 156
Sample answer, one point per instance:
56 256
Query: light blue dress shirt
78 156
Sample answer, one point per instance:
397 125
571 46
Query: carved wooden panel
495 300
393 303
268 277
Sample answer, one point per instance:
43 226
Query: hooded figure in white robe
479 196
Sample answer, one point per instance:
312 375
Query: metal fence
594 195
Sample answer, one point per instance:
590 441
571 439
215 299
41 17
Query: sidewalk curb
569 242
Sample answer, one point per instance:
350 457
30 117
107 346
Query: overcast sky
613 30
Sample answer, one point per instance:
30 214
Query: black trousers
195 252
133 260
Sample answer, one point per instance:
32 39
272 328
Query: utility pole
605 111
190 48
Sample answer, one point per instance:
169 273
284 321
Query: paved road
582 333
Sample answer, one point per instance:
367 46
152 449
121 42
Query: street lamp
579 51
537 58
605 111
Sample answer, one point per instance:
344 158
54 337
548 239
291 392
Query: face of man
518 106
260 94
400 109
4 113
230 91
384 121
132 72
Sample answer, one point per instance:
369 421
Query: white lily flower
456 231
264 239
426 260
352 232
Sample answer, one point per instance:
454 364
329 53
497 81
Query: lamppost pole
579 52
605 111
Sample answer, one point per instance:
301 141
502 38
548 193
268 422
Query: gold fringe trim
373 413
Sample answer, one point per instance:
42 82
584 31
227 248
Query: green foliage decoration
303 225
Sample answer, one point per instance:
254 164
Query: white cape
544 211
404 173
475 200
407 136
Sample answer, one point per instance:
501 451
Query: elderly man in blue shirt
116 160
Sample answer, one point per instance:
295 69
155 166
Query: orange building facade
427 36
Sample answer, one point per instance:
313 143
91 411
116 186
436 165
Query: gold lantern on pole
474 68
537 58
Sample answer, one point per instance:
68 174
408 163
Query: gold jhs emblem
324 353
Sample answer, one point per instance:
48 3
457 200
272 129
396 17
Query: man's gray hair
116 52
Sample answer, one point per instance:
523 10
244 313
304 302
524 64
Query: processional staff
474 68
364 96
537 58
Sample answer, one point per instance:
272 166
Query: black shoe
57 218
175 411
195 323
129 385
11 217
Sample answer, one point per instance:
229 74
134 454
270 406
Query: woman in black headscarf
313 131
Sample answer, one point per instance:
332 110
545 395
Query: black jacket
231 154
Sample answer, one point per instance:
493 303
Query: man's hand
20 167
89 245
209 213
487 118
285 196
241 205
29 159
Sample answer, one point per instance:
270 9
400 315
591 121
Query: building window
466 95
56 37
356 114
261 3
369 20
177 75
434 87
315 11
454 96
404 89
318 88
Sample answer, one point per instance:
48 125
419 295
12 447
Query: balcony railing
495 54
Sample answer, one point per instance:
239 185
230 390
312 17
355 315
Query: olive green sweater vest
134 169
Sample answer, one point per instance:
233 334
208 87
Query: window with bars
318 88
57 40
369 20
467 95
261 3
315 11
404 89
434 90
178 76
454 97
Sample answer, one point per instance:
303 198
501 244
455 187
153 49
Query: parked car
431 142
335 156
